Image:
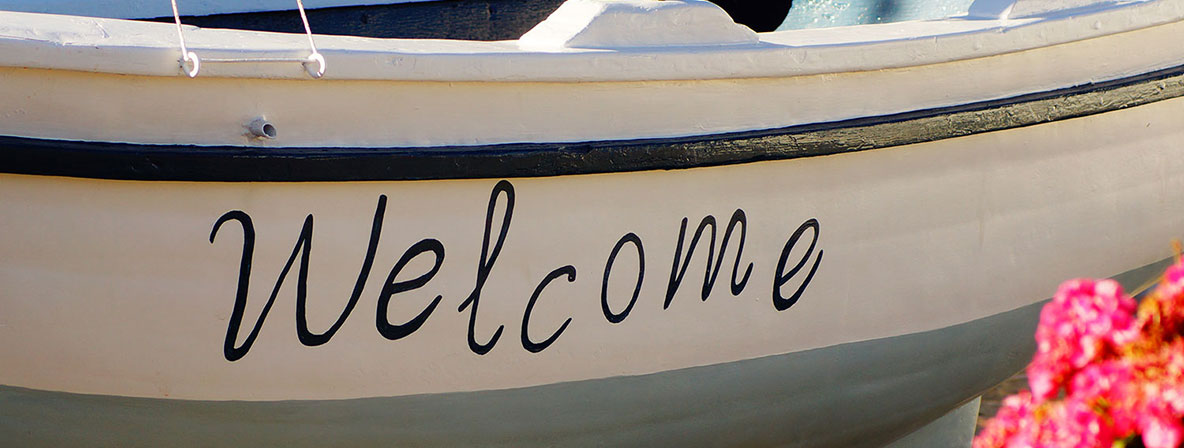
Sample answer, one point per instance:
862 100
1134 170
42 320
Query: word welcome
491 247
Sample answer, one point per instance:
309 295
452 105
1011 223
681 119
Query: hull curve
834 396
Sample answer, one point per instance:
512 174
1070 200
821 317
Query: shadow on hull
862 394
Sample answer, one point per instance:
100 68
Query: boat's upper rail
140 48
314 63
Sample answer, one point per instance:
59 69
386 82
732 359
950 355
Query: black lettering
737 286
676 274
710 275
385 327
485 264
302 249
231 352
780 302
608 267
307 337
529 345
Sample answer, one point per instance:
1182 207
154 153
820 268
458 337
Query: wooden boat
639 224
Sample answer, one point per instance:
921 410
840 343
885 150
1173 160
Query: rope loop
190 64
319 70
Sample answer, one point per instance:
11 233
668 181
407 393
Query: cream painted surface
112 287
216 111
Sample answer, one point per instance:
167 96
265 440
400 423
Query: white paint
1019 9
141 9
128 47
627 24
112 287
212 111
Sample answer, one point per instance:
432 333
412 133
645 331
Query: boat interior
501 20
490 20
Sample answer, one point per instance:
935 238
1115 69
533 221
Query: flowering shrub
1105 374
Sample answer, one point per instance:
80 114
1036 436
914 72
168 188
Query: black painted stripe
228 163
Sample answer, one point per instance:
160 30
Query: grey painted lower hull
858 394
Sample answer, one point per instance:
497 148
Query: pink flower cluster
1085 321
1118 371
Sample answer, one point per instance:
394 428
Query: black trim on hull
239 164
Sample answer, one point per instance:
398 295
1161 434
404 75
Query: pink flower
1160 429
997 431
1086 320
1173 280
1067 424
1122 375
1044 378
1079 425
1111 387
1162 315
1159 414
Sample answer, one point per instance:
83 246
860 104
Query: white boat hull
861 266
115 289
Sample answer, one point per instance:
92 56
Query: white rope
319 70
314 64
189 62
307 30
